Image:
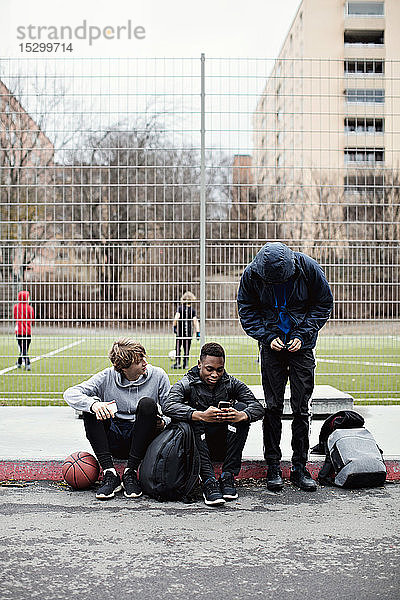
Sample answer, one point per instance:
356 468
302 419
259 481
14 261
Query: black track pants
24 342
184 343
222 443
276 369
122 439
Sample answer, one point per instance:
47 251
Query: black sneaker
300 477
227 486
111 484
212 492
176 366
274 478
131 484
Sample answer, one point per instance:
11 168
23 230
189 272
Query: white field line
44 355
358 362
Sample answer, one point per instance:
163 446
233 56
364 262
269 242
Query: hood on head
23 296
274 263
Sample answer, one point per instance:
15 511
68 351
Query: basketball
80 470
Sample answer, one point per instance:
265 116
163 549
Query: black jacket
309 304
180 405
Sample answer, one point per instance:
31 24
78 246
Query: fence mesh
126 182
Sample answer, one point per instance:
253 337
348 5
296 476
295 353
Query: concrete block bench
326 400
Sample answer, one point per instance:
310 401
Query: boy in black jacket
220 432
284 299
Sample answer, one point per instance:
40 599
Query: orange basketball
80 470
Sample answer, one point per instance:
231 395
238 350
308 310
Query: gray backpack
354 459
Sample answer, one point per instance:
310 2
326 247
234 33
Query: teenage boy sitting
220 432
121 413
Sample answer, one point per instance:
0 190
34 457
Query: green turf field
368 367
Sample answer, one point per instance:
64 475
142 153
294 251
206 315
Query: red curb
50 470
31 470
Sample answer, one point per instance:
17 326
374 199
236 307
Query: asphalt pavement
333 544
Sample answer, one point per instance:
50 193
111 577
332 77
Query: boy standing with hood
121 413
23 316
284 299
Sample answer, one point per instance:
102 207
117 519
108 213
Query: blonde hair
124 352
188 297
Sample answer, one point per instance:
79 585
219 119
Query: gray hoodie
110 385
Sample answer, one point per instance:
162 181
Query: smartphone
224 404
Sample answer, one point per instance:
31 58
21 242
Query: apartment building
327 125
242 217
26 150
26 171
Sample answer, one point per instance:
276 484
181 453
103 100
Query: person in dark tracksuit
283 300
184 320
220 433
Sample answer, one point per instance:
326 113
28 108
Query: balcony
364 157
364 37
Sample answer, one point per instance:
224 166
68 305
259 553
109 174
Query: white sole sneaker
228 497
217 502
133 495
105 497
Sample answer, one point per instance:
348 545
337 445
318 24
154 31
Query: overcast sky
225 28
178 28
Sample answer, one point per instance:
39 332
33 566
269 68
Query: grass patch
367 367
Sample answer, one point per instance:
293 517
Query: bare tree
28 167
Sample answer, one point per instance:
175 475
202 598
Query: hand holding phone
226 411
224 404
229 414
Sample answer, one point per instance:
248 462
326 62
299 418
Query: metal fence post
203 208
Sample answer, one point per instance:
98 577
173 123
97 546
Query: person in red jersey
24 316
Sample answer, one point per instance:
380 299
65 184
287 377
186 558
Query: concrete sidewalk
36 440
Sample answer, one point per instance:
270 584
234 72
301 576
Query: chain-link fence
126 183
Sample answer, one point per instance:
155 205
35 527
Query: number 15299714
45 47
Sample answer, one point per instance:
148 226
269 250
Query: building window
364 36
364 155
365 185
363 125
363 213
365 9
364 67
353 95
